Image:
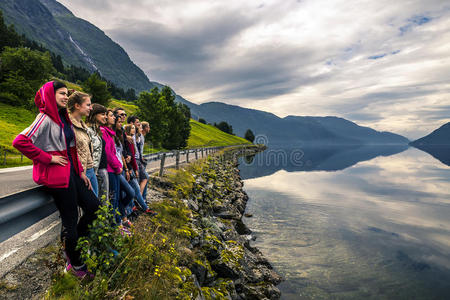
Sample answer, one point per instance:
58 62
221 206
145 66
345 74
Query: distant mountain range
437 144
81 43
439 137
293 129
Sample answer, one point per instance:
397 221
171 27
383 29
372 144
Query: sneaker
150 212
127 223
80 272
124 231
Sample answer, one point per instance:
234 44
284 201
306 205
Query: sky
383 64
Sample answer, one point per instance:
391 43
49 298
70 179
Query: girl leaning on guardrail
51 143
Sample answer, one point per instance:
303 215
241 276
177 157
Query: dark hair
58 84
91 121
132 119
117 109
76 98
118 138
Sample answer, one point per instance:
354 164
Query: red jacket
44 138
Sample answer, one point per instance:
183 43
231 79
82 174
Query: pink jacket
44 138
113 163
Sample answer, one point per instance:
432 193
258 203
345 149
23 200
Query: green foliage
23 71
225 127
249 136
153 108
98 89
201 120
169 121
8 36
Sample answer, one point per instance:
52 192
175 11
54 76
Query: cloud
382 63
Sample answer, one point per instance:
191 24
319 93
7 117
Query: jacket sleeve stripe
35 126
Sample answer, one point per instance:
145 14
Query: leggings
67 201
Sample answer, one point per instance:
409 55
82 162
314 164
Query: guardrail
21 210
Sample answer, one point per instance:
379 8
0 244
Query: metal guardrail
20 210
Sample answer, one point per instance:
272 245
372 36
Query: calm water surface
364 223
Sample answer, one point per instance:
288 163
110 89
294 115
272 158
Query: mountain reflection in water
375 226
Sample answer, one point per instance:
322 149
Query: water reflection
377 230
441 153
313 158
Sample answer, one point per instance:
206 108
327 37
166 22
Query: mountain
81 43
439 137
292 129
77 41
437 144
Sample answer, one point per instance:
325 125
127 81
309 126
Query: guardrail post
4 159
202 152
177 159
187 156
196 154
161 168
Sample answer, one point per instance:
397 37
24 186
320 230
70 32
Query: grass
129 107
210 136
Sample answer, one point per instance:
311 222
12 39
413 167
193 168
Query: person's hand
128 159
127 173
86 180
59 160
120 171
130 139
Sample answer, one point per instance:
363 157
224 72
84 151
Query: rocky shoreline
220 261
218 205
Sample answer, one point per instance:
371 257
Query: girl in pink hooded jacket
50 143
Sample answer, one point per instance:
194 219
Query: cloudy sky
384 64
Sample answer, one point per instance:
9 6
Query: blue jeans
137 193
127 193
90 173
114 185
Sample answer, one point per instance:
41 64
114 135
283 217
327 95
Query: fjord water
368 222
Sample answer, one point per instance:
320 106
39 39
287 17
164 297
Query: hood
46 102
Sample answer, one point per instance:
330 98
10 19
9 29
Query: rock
200 272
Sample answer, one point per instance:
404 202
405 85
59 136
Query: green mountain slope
76 40
207 135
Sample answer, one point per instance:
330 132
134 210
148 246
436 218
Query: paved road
13 180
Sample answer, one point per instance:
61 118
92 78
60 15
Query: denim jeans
114 185
137 191
90 173
103 185
127 193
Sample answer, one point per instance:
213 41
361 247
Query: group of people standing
86 163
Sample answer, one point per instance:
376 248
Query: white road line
6 255
42 231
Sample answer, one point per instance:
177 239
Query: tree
98 89
203 121
22 72
8 36
225 127
249 136
153 109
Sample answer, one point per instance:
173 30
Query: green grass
210 136
129 107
